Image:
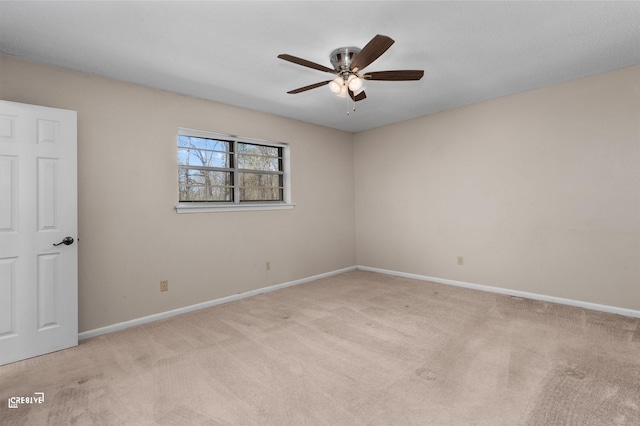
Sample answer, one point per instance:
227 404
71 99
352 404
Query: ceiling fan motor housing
341 59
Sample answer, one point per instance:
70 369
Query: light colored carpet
355 349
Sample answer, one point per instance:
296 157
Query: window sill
208 208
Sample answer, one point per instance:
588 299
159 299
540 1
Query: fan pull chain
354 105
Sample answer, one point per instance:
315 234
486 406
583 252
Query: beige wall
130 235
540 192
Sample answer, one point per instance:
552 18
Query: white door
38 209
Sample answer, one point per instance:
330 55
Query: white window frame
236 205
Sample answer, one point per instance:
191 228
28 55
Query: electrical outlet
268 266
164 285
460 260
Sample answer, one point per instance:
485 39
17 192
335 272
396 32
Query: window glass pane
259 157
204 177
262 194
182 156
251 162
203 158
183 141
260 187
246 148
182 176
209 144
204 193
203 152
258 179
205 185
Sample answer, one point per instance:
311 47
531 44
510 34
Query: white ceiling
227 51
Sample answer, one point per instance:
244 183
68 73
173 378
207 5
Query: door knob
66 241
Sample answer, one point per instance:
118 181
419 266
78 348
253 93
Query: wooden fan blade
306 63
372 51
404 75
309 87
359 97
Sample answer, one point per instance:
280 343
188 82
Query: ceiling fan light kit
348 62
336 85
343 92
354 82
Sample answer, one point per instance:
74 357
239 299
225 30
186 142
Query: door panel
47 197
8 192
7 296
38 208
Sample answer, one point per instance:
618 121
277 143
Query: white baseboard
523 294
162 315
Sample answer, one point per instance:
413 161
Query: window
223 172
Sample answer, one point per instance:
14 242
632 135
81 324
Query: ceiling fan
348 63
